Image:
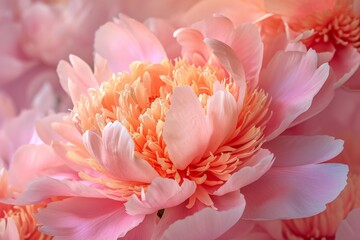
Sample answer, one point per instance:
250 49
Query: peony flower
179 148
332 29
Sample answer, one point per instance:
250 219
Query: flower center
139 100
25 221
338 26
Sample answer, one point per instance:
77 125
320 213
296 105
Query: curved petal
231 63
292 79
45 187
8 229
260 163
205 223
222 113
192 45
345 63
76 77
86 218
248 47
115 151
295 192
125 41
186 132
162 193
349 227
302 150
45 130
144 230
164 31
32 161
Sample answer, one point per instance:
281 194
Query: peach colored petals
164 146
204 121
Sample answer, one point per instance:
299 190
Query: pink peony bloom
332 30
185 148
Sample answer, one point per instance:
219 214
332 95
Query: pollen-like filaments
26 223
140 99
338 26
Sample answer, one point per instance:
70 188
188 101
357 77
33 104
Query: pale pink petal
353 83
232 64
45 187
294 192
161 194
16 132
201 223
32 161
163 30
222 113
86 218
238 11
8 229
126 41
302 150
292 79
186 131
239 231
216 27
259 164
144 230
76 78
102 71
321 100
115 151
349 227
192 45
345 63
248 47
45 130
7 108
293 8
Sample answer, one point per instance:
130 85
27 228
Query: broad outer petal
31 161
260 163
45 187
162 193
294 192
86 218
292 80
126 41
186 132
203 222
349 227
301 150
115 151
